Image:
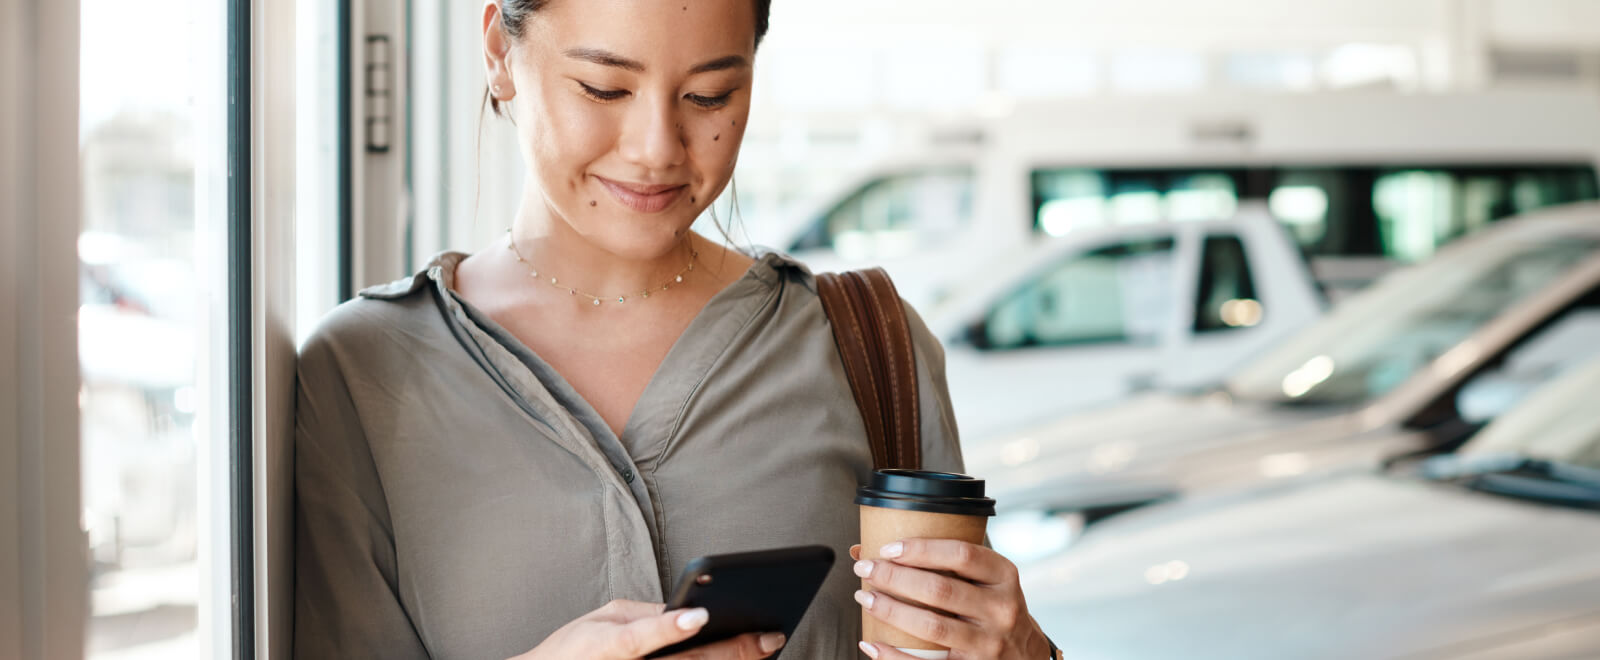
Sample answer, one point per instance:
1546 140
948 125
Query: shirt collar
770 266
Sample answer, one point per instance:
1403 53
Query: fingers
921 623
884 652
931 589
752 646
973 562
855 552
636 638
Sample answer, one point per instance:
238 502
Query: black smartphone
750 592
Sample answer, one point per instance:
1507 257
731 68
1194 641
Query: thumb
646 635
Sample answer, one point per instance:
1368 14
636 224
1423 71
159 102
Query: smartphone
750 592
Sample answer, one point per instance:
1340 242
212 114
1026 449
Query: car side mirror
977 334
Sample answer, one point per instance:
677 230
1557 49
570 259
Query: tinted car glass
1119 293
1380 337
1402 212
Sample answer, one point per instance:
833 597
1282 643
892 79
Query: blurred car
1419 171
136 340
1516 301
1488 552
1091 318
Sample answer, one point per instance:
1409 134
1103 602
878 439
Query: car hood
1139 449
1352 566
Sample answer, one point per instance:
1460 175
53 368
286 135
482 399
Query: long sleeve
346 600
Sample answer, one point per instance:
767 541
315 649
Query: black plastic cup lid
928 492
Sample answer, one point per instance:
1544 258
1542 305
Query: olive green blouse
456 498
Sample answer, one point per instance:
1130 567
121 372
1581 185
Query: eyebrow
722 64
608 58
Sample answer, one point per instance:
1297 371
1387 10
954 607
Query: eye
709 102
602 94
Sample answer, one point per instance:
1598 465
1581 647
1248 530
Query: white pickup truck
1090 318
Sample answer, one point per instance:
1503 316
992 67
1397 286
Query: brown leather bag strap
874 339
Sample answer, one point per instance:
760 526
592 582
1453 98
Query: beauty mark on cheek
716 137
592 202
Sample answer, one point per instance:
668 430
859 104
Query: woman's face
630 112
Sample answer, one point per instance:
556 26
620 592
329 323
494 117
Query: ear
496 53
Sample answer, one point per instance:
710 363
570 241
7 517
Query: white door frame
272 320
380 203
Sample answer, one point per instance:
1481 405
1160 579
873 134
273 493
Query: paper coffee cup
905 504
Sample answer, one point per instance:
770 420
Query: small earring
496 89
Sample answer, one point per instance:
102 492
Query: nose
652 136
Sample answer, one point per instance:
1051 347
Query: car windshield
1560 422
1375 340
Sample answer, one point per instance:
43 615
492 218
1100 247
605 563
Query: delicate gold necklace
511 243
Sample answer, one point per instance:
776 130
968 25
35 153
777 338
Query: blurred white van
1362 180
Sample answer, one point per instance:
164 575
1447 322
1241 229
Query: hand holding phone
626 630
750 592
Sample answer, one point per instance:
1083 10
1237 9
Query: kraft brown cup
906 504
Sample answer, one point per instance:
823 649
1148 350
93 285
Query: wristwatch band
1055 653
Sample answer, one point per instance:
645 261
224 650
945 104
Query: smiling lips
643 198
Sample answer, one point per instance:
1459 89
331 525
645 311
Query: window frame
241 367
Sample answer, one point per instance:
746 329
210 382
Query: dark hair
514 15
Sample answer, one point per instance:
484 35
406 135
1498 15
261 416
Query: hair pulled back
514 16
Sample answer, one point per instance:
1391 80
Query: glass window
151 318
1157 70
1403 213
1120 293
1558 422
1274 71
1543 356
1303 202
1227 296
1039 71
1364 64
1409 213
1419 210
895 215
1071 199
1378 339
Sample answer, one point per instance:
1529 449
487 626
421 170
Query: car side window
1565 341
1227 296
895 215
1120 293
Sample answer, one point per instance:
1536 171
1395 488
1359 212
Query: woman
514 452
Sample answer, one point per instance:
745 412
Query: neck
548 245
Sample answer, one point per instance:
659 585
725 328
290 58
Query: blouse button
627 475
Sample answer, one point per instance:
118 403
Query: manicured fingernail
870 649
771 642
693 619
865 598
863 569
892 550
